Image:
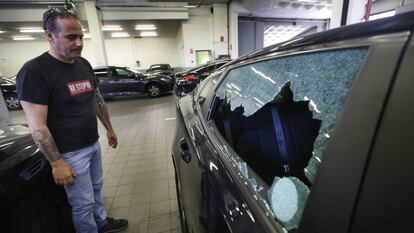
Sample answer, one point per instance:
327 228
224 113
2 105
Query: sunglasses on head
56 11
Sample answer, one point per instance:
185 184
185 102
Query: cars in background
186 81
29 199
164 69
116 81
8 89
312 135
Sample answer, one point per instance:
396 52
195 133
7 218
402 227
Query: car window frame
223 147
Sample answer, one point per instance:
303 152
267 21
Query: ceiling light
22 38
310 1
1 31
112 28
190 6
119 34
147 34
87 36
382 15
145 27
31 29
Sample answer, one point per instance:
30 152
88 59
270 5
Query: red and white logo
79 87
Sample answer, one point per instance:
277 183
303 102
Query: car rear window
277 115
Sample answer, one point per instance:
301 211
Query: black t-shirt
68 90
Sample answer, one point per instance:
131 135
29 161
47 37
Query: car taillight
189 78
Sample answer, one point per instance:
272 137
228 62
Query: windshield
133 71
160 67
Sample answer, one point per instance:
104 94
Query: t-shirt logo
79 87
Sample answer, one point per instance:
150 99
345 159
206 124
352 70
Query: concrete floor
139 180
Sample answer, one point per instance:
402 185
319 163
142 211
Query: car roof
400 22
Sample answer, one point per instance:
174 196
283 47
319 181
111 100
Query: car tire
153 90
12 102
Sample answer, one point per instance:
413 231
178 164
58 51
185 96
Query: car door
125 81
290 149
204 181
103 76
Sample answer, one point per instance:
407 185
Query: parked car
122 81
8 89
29 199
312 135
186 81
164 69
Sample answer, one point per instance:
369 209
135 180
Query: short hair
50 16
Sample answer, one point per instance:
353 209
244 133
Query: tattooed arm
102 113
36 115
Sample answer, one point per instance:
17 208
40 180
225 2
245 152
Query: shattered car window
277 115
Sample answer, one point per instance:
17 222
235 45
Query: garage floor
139 175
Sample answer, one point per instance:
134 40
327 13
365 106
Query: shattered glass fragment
254 185
287 197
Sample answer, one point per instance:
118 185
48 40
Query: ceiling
169 28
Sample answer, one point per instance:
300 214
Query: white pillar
234 32
356 11
220 30
97 39
336 17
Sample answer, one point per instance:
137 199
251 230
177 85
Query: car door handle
185 151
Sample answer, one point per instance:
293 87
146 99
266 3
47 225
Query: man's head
64 33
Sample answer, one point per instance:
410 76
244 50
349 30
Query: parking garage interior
139 180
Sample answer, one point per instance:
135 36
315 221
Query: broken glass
322 79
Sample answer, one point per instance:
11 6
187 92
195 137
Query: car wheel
12 102
153 90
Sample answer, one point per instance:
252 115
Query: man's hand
112 139
63 174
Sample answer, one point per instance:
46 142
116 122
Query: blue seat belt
228 132
281 142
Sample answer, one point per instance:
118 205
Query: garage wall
14 54
122 52
126 51
197 34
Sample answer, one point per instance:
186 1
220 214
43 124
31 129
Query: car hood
16 145
156 76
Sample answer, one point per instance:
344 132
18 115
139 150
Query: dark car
314 135
164 69
186 81
8 89
29 199
122 81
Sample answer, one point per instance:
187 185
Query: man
61 103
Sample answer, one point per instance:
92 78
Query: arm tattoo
102 111
46 144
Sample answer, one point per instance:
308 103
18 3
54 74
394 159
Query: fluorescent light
119 34
190 6
382 15
310 1
145 27
31 29
22 38
87 36
1 31
112 28
145 34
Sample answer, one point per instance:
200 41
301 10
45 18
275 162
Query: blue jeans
85 195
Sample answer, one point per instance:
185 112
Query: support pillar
97 39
